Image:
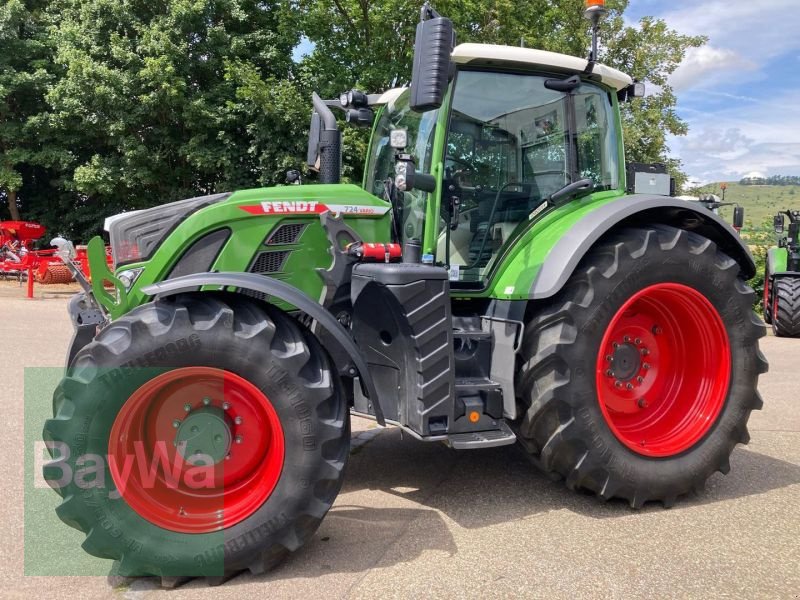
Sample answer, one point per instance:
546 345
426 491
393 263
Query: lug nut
610 358
176 423
646 366
206 401
618 384
227 457
629 386
609 373
239 439
226 405
645 352
640 379
238 420
615 345
637 341
187 407
627 339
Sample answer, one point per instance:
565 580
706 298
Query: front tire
786 307
244 387
638 379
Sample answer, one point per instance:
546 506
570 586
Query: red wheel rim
663 370
196 450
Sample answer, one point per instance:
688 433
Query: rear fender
634 211
285 293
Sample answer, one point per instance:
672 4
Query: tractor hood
344 199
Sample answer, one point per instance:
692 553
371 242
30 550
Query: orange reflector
474 416
591 3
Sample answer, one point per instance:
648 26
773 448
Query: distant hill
761 202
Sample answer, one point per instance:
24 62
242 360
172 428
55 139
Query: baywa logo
151 468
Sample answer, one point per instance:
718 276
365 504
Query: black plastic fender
635 210
290 295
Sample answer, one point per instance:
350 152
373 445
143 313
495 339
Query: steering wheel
461 161
462 177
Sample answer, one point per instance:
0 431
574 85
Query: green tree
165 99
23 80
369 43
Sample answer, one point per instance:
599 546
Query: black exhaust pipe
329 144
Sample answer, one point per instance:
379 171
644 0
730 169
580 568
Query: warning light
474 416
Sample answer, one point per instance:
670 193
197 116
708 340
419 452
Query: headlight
136 236
129 276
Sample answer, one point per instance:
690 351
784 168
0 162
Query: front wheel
216 432
786 307
638 379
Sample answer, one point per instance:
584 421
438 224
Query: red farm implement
18 258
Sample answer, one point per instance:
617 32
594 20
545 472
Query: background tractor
490 282
782 277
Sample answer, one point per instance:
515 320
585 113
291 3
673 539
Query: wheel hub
626 362
206 432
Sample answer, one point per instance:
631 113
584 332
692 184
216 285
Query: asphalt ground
417 519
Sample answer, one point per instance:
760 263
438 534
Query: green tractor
489 283
782 278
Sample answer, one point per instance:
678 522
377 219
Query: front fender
777 260
568 246
286 293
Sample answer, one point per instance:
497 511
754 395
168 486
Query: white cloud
707 64
743 36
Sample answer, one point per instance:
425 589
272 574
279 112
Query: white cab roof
465 54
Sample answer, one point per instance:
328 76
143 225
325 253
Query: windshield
421 131
510 145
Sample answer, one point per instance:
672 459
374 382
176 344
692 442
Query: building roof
486 54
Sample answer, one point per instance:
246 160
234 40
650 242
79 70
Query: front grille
269 262
286 234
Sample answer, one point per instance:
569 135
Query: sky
740 93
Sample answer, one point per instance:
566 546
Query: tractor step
482 439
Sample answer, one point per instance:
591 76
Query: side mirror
738 217
433 65
780 224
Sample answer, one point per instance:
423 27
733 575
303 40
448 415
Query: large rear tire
786 307
240 393
638 379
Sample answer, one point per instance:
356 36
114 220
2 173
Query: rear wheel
786 307
223 433
639 377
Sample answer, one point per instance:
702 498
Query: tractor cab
514 132
512 135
